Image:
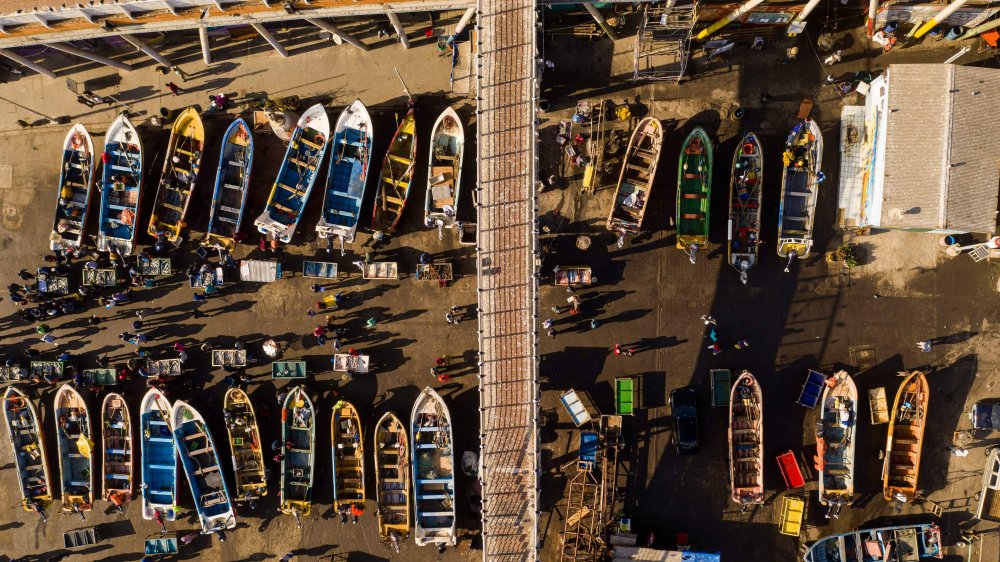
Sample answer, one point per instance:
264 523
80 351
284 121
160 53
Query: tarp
624 553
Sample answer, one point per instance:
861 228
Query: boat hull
28 446
694 190
922 542
745 195
746 441
297 467
76 177
396 177
180 174
838 420
121 187
200 460
989 498
904 443
76 455
158 457
444 170
392 478
245 445
118 449
347 456
232 184
803 158
433 470
296 177
635 182
347 175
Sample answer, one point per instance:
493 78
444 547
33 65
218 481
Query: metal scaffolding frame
663 42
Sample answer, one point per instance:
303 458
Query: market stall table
52 284
100 377
13 373
260 271
154 266
229 358
439 271
164 367
352 363
319 269
288 370
573 275
214 277
100 277
49 370
380 270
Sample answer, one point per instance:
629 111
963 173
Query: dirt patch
895 259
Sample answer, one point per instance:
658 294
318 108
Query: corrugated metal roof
942 166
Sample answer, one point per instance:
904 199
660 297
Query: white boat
73 198
989 498
444 171
200 460
121 187
28 448
159 463
803 158
433 470
347 175
76 454
835 441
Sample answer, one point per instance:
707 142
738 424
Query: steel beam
337 32
69 49
466 18
270 38
599 18
394 19
206 52
138 44
27 63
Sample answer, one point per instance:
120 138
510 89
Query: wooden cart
624 395
722 385
878 406
793 509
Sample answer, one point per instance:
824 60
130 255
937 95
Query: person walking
450 318
43 329
547 324
617 349
94 320
177 70
707 318
371 323
742 345
715 348
174 88
629 352
286 557
594 323
924 346
49 338
200 298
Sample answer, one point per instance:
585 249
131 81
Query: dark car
684 405
985 414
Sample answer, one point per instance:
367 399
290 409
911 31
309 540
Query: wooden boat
392 478
118 452
635 183
180 174
244 442
296 176
694 190
838 418
232 183
802 159
396 176
121 187
745 197
76 455
746 441
28 446
433 465
298 427
444 170
76 176
348 456
159 467
989 498
200 460
905 440
908 543
348 174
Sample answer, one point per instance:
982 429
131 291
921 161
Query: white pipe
337 32
394 19
466 18
798 23
939 18
872 12
270 38
89 56
727 19
206 53
27 63
138 44
596 14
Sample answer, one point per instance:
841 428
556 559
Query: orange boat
905 440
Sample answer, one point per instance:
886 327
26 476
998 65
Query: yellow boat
348 455
244 442
905 441
396 176
180 173
392 478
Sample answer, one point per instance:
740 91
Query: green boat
694 188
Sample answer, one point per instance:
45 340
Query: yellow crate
792 511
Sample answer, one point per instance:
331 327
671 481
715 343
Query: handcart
878 406
319 269
260 271
722 384
380 270
160 545
99 377
567 275
793 510
624 395
352 363
571 401
439 271
812 389
288 370
789 467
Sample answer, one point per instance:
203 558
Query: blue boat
348 174
232 182
75 178
121 187
296 176
433 470
298 427
907 542
200 460
159 467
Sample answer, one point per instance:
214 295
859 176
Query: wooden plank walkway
507 284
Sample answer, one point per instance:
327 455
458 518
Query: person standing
924 346
177 70
450 318
174 88
286 557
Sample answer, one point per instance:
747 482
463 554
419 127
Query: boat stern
686 241
293 507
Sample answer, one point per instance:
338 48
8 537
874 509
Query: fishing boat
802 159
904 543
180 174
232 183
396 177
296 176
159 467
298 428
118 455
392 479
76 175
989 497
444 171
29 450
200 460
433 465
244 442
744 205
348 174
635 183
746 441
905 440
838 418
76 455
121 187
348 457
694 191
